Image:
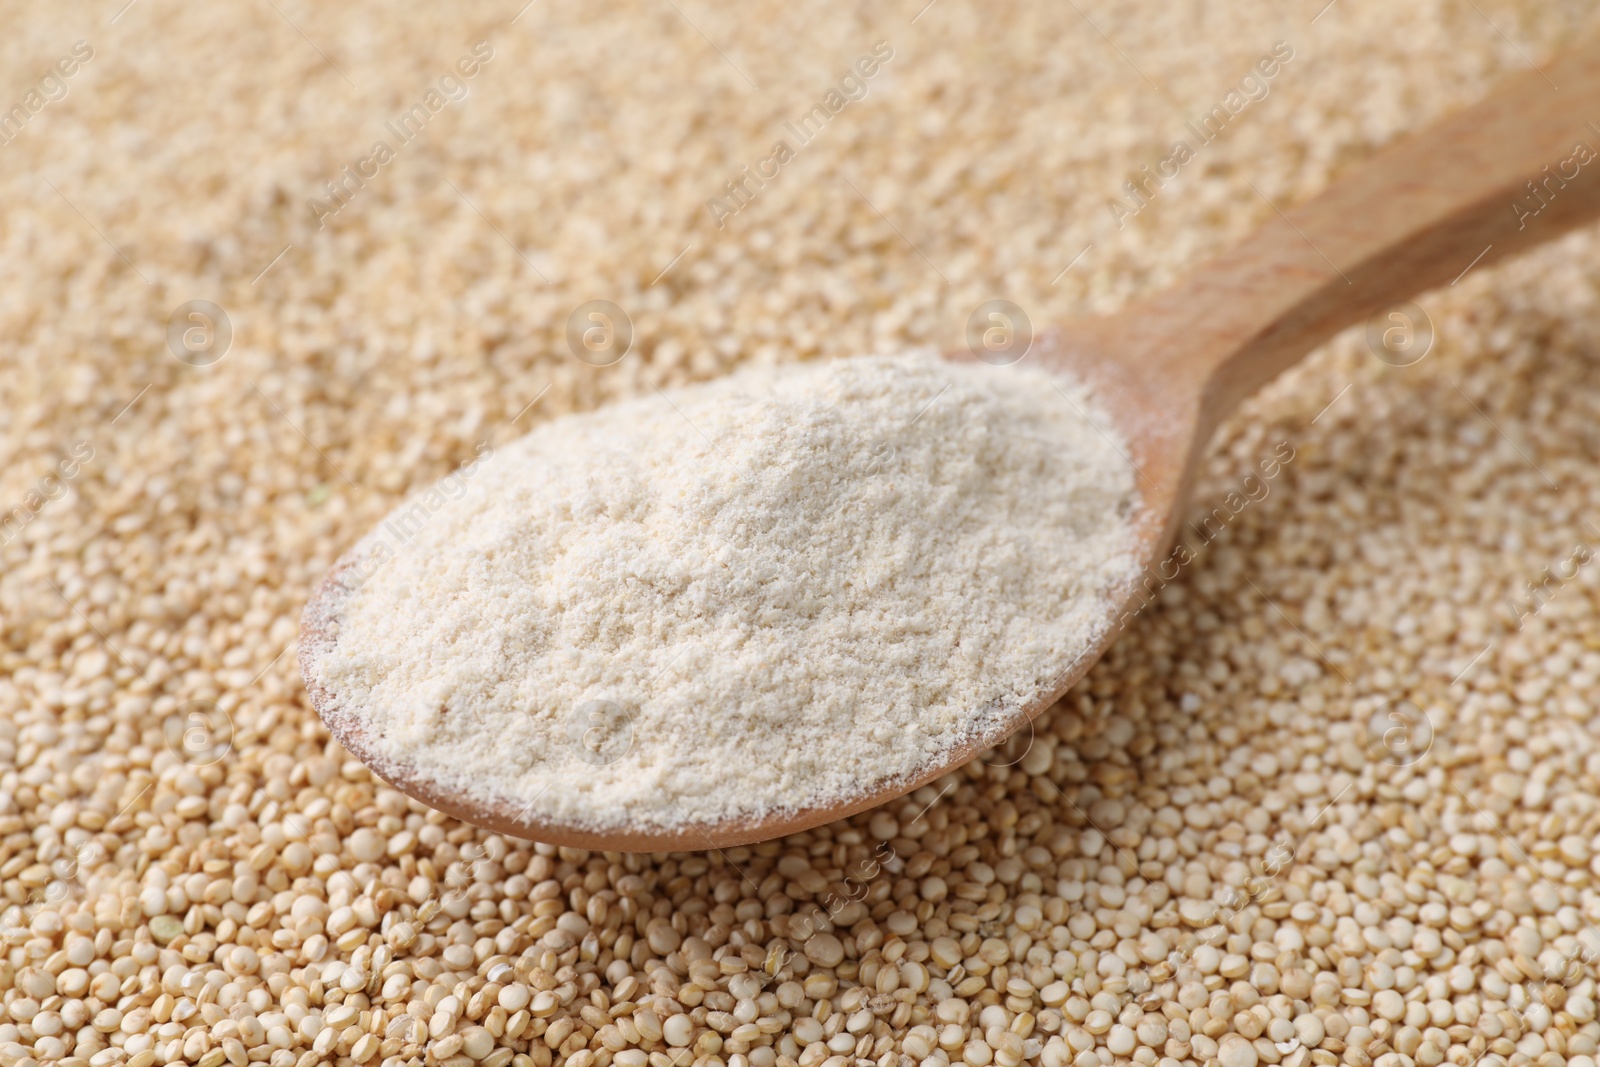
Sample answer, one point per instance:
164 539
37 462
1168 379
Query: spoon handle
1520 167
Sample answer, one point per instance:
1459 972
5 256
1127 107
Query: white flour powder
768 592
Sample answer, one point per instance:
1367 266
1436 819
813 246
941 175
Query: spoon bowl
1166 370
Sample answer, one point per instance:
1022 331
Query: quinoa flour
196 873
768 592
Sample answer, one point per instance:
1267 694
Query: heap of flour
766 593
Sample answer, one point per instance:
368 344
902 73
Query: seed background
261 898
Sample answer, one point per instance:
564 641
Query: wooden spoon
1453 198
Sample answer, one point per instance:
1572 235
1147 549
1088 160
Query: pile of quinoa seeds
1330 798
